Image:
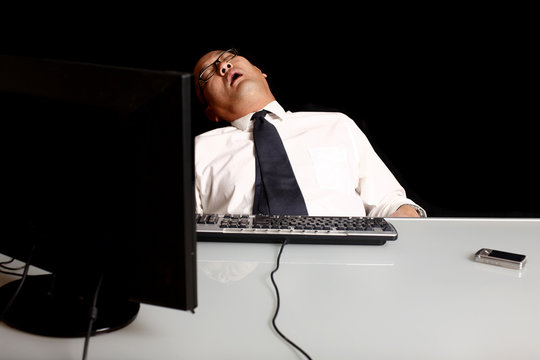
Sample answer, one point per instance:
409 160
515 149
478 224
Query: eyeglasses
210 70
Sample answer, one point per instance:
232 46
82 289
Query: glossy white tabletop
420 297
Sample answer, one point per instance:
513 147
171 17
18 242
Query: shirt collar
243 123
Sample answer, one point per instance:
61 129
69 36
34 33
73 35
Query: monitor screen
99 189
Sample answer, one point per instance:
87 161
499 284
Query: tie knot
259 115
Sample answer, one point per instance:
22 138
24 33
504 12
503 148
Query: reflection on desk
420 297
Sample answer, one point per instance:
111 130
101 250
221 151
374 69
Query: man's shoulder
321 116
216 132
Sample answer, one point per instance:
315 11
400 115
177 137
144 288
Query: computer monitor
99 182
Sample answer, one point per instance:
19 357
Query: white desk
420 297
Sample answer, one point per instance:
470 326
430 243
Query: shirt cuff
419 210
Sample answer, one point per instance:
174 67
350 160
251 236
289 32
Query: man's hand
405 211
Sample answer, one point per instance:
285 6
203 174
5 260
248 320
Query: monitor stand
46 306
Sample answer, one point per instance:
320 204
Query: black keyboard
302 229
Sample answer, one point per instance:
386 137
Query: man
335 166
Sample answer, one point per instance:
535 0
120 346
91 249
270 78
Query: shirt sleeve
197 183
198 204
380 191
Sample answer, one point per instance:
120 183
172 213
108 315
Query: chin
246 97
250 91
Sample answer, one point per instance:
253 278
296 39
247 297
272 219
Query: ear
263 74
211 114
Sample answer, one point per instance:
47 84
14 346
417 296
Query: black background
446 95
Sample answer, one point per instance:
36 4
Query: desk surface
420 297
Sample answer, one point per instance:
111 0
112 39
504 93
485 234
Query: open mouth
235 76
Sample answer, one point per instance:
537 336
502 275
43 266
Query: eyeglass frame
201 82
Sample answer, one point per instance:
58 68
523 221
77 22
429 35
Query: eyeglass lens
211 69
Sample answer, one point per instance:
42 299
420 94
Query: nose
223 67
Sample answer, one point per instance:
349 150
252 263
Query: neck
240 110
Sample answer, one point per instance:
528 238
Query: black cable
278 303
92 317
21 283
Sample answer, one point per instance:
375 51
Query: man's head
230 86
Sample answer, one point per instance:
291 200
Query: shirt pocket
332 169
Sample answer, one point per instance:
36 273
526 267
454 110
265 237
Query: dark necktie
276 189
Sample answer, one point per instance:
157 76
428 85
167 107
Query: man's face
236 88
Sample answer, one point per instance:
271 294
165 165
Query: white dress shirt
335 166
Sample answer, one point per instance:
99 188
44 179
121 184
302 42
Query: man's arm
406 211
381 192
